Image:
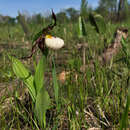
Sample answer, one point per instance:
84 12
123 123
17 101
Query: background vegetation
91 98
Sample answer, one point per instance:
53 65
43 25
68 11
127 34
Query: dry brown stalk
112 50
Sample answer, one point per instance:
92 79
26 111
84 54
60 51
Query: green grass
94 98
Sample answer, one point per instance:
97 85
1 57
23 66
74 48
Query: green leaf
55 83
37 35
124 46
126 52
39 74
42 104
98 22
22 73
82 29
124 120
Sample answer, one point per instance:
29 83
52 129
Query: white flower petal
54 42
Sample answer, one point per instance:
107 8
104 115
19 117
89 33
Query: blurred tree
122 9
110 5
12 21
72 14
7 20
113 8
62 17
24 25
38 18
107 7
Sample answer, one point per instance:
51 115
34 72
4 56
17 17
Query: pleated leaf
39 74
22 73
42 104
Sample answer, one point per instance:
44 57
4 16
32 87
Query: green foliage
126 6
124 120
22 73
83 8
55 83
37 35
126 52
123 10
21 20
96 96
42 98
62 17
39 74
110 5
98 22
35 86
82 28
72 13
41 105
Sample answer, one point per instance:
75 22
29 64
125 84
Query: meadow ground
92 98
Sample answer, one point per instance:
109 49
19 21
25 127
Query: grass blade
124 119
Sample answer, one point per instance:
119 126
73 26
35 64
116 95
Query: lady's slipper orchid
42 40
53 42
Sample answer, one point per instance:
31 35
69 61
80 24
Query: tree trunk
120 6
